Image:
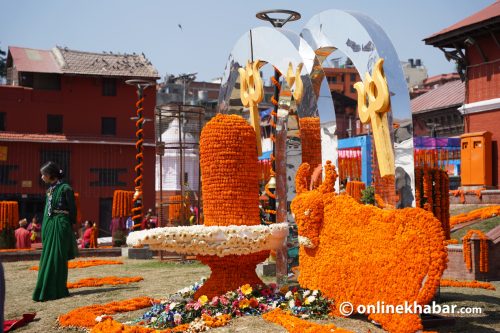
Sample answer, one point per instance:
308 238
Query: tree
3 64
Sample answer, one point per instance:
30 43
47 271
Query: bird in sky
180 26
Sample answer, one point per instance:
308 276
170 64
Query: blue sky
210 28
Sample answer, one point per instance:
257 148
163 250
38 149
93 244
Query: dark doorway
29 204
105 205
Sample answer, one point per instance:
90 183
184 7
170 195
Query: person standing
34 227
59 243
87 234
23 236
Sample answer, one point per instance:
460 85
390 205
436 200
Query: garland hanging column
271 185
137 210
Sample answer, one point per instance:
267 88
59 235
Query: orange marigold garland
354 189
229 167
9 215
467 284
380 255
108 280
85 316
310 137
296 325
432 186
483 250
122 203
477 214
86 263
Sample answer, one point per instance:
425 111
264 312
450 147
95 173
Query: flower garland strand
296 325
98 282
354 189
86 263
122 203
310 136
85 316
477 214
467 284
483 250
9 215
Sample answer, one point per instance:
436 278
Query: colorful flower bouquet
181 308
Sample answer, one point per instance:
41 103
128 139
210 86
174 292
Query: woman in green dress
58 239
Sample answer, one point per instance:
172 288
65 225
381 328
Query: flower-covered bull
364 255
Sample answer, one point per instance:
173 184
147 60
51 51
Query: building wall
483 78
488 121
82 105
342 80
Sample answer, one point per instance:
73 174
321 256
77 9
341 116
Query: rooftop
67 61
448 95
487 17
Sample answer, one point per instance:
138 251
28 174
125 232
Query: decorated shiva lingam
232 241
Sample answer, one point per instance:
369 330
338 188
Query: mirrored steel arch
280 47
363 40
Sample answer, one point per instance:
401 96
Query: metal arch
278 47
364 42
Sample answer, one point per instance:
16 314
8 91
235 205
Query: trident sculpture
251 94
292 78
373 105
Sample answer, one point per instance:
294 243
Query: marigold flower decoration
477 214
310 137
467 284
483 250
87 263
122 203
297 325
9 215
365 254
229 168
85 316
98 282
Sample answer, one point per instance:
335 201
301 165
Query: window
108 126
5 173
352 89
108 177
2 121
54 124
40 81
353 77
108 87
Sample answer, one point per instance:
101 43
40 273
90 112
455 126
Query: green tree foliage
368 195
3 64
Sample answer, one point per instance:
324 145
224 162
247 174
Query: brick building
74 108
474 44
341 82
436 114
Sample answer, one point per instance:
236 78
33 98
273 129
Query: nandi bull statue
364 255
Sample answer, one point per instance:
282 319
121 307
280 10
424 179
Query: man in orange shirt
23 236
